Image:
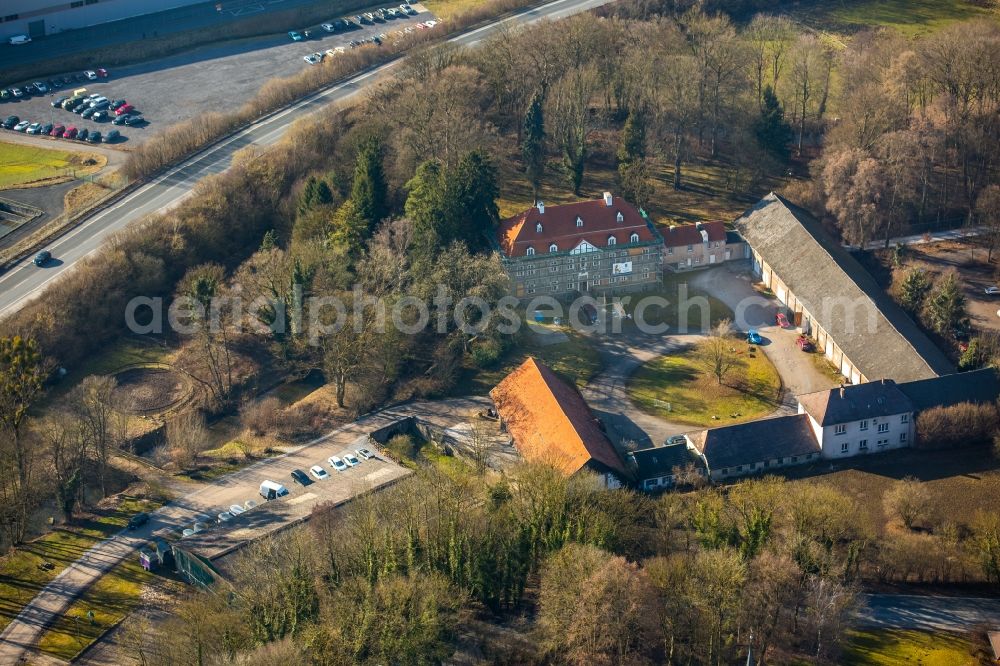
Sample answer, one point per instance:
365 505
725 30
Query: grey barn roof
853 403
756 441
818 270
661 460
978 386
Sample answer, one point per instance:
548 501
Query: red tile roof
690 234
518 233
549 420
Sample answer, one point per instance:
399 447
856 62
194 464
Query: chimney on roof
608 200
541 207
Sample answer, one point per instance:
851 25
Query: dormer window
530 251
553 248
612 240
620 217
579 221
634 238
538 228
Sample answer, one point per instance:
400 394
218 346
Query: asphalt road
25 281
906 611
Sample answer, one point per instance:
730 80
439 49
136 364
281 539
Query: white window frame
840 429
530 252
634 238
864 425
883 427
845 447
553 248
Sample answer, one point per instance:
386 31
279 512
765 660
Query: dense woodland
398 196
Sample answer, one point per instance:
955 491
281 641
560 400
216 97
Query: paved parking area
215 78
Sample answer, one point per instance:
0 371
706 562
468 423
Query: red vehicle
782 320
70 133
57 130
123 109
804 343
101 72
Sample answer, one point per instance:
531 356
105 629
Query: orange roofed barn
549 422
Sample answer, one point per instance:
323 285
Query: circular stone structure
150 389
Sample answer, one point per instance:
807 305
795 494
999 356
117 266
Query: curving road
25 281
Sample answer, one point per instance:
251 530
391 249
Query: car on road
42 258
237 509
753 337
21 126
351 460
299 477
91 75
781 320
10 122
124 109
138 520
112 136
313 58
319 473
296 36
365 454
17 40
57 130
94 137
70 133
992 291
59 101
336 463
804 343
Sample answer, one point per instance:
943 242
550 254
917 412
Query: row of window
841 428
767 463
690 248
634 238
845 447
557 286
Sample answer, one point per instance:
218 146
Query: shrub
958 425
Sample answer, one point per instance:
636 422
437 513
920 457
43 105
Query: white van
19 39
270 490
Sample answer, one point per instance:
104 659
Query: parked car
98 100
83 134
782 320
10 122
337 463
46 129
102 73
299 477
112 136
88 112
753 337
91 75
40 87
138 520
249 504
804 343
992 291
119 120
57 130
365 454
117 103
237 509
21 126
42 258
18 93
33 128
225 516
6 94
134 119
313 58
351 460
17 40
319 473
94 137
329 27
101 116
59 101
296 36
70 133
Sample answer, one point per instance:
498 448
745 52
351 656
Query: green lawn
20 575
694 395
902 648
22 165
575 360
110 600
911 17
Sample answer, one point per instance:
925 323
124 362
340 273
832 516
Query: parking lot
215 78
